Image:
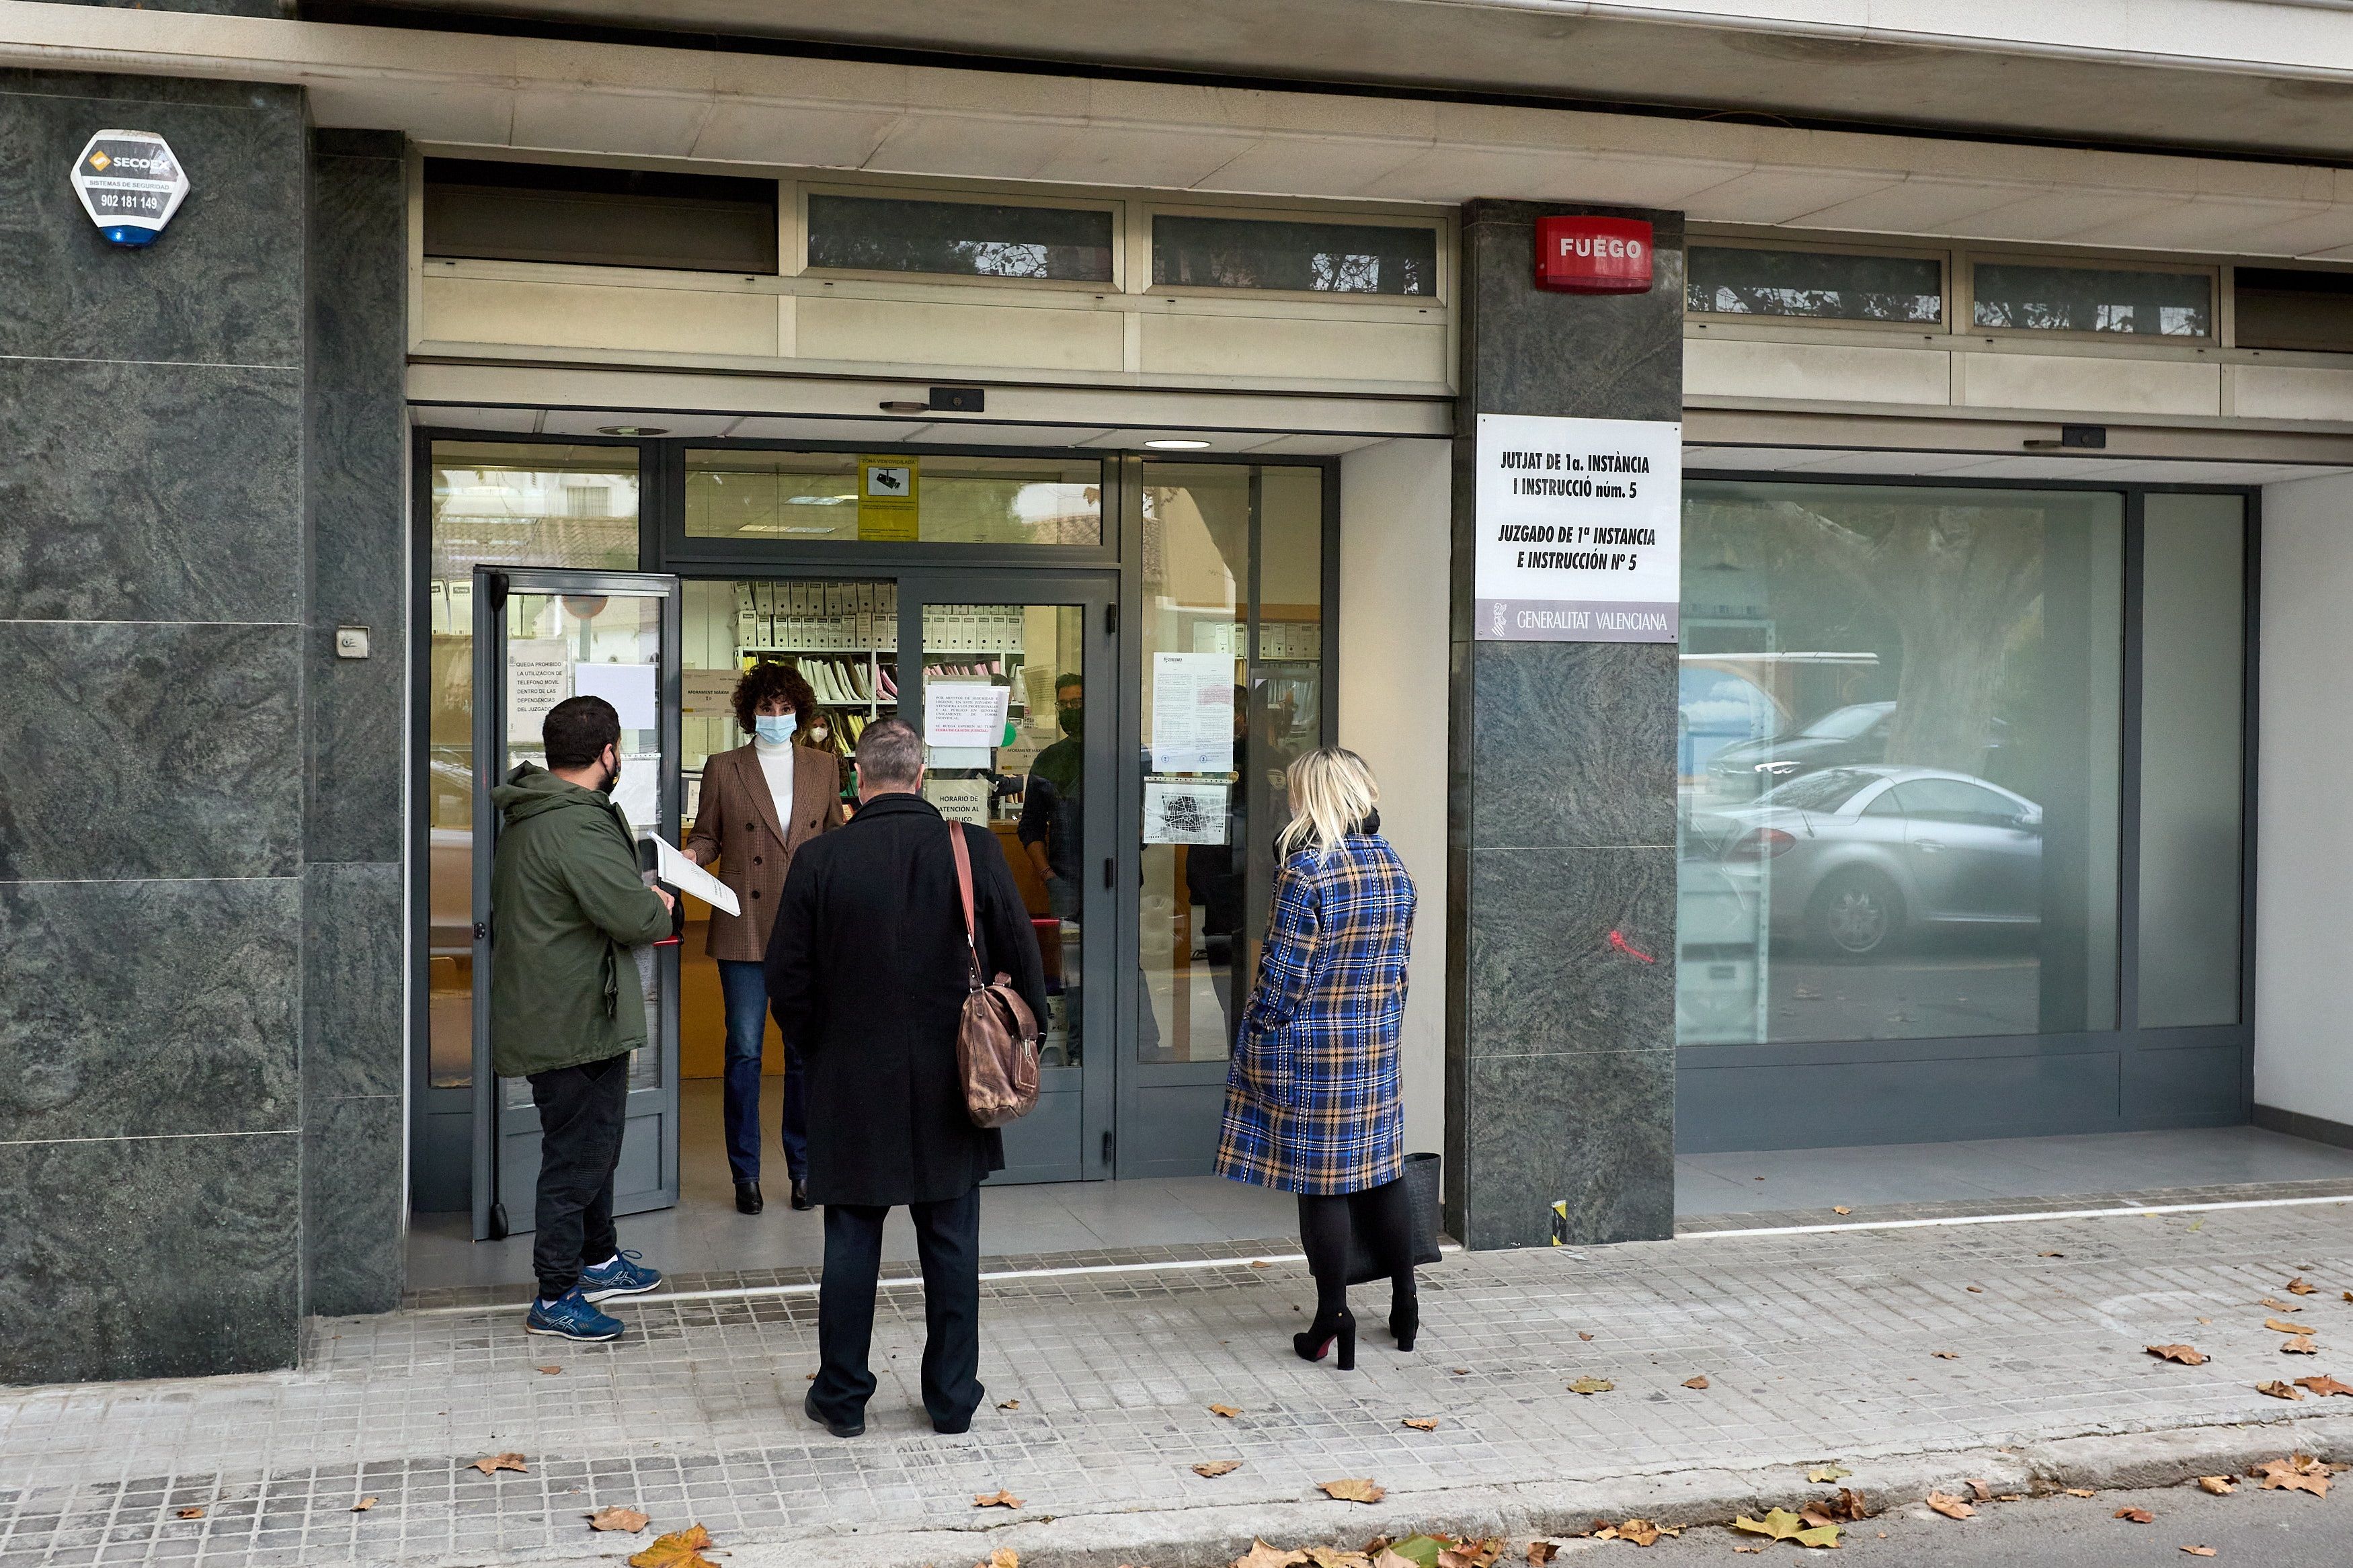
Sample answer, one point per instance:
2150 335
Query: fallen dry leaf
364 1504
1217 1467
1747 1548
2198 1551
188 1513
2138 1515
1848 1505
1779 1524
1699 1381
2276 1305
1950 1507
2220 1486
628 1520
491 1463
1003 1557
2296 1473
1227 1410
1469 1553
1333 1557
1974 1289
1541 1551
1430 1423
2278 1390
1583 1335
997 1498
2300 1345
1642 1532
2050 1254
2081 1491
1822 1474
2324 1384
1385 1558
1945 1355
1354 1490
1979 1491
2275 1326
1261 1555
1461 1371
1260 1263
679 1549
558 1372
1841 1209
1591 1385
1009 1404
2296 1287
2188 1356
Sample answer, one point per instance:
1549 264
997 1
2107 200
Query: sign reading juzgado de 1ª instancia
1579 533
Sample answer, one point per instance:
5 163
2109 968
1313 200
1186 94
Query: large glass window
1315 257
1823 285
2192 711
2048 298
1226 546
494 504
969 239
802 497
1900 761
599 217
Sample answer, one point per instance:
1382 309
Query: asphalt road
2263 1530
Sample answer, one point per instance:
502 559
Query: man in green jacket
566 1009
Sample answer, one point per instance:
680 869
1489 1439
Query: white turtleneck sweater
776 767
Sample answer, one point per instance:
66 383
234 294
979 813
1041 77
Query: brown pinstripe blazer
738 826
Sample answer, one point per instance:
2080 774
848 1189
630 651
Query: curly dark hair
768 679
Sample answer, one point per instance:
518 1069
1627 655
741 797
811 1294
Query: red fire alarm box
1593 255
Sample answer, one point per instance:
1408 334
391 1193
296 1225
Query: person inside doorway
761 802
1217 878
1051 813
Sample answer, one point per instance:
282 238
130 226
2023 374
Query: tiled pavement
1815 1345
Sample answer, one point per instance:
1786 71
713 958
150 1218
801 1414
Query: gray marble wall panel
139 1008
149 751
1562 802
223 286
352 1202
351 945
150 492
149 1257
153 602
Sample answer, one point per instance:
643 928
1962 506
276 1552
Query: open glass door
1032 657
539 637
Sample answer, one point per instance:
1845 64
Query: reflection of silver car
1853 858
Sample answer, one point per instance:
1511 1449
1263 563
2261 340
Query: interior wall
2303 836
1394 556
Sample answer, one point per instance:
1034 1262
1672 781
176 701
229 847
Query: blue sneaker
624 1276
570 1317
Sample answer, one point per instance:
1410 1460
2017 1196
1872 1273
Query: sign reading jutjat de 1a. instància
1580 534
129 183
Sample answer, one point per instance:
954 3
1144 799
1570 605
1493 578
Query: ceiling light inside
1178 444
632 430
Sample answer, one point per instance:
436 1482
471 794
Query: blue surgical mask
776 728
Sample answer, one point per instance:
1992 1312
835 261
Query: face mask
817 732
613 779
1074 721
776 728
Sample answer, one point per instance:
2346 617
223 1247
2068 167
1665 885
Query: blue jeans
744 984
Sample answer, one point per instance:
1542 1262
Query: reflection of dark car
1853 858
1855 733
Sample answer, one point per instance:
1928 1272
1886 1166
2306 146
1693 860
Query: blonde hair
1330 790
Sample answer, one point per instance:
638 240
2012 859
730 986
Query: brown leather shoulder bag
997 1038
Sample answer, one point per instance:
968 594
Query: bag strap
963 887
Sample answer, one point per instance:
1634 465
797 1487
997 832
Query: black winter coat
866 977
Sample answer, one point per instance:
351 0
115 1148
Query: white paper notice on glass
1184 811
539 676
629 688
964 712
959 800
638 794
683 873
1192 714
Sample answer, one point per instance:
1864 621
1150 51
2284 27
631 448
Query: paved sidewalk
1816 1346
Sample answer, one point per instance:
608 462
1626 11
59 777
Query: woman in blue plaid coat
1311 1102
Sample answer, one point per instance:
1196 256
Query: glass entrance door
1017 710
540 636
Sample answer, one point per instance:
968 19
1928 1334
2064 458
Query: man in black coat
867 979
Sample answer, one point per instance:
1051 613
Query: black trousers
582 1110
947 1240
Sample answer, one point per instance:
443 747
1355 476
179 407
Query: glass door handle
1111 872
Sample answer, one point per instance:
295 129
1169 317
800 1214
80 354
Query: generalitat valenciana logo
130 184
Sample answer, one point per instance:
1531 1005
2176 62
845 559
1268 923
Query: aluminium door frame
495 584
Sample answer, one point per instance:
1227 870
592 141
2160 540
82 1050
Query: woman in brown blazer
760 802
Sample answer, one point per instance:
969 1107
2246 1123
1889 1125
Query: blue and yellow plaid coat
1311 1102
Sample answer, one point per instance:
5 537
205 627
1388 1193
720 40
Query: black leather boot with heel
1318 1340
1405 1315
